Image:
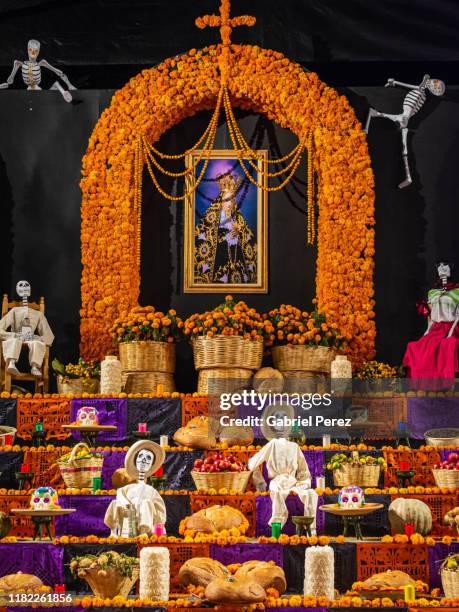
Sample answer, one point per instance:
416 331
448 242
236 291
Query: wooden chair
41 383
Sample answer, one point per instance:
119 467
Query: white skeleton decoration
31 72
412 104
18 327
138 507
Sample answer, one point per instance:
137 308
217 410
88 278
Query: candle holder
405 478
402 433
158 482
303 523
38 437
24 478
141 435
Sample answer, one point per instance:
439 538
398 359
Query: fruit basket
449 573
80 466
362 471
109 574
217 472
446 473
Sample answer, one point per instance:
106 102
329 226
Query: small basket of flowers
77 378
362 471
376 376
109 574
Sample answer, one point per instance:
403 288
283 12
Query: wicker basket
360 475
315 359
77 386
237 481
227 352
147 382
450 582
147 356
215 381
111 584
80 473
446 478
297 381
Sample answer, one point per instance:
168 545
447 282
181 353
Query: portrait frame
260 198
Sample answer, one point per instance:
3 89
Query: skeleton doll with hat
138 507
287 468
23 325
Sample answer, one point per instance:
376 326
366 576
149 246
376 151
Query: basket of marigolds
355 469
77 378
376 377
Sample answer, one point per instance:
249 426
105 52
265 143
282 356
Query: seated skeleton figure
138 507
18 327
287 468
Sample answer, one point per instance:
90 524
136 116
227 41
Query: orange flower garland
263 81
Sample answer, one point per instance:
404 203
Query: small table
405 478
303 523
351 516
23 478
89 433
141 435
42 519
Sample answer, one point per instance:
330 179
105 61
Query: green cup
275 530
96 484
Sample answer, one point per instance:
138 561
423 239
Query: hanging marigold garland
263 81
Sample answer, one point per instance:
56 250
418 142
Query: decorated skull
33 49
23 288
351 497
144 460
87 415
44 498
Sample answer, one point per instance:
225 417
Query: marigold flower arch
263 81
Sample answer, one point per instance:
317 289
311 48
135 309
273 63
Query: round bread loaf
235 435
233 590
199 433
265 573
16 582
200 571
391 579
215 518
120 478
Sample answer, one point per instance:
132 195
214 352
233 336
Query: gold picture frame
218 251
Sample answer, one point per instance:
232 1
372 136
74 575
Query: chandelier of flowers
148 154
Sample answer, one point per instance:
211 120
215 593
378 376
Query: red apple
198 463
453 458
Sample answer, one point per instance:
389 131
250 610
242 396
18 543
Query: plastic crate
43 464
375 558
389 410
21 526
423 477
415 458
53 412
179 553
244 503
193 407
439 506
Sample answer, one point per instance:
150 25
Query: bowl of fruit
217 471
446 473
450 576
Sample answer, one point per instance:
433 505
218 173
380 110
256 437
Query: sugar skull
23 288
44 498
87 415
351 497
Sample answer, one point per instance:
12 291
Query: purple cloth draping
240 553
163 416
88 518
436 555
426 413
294 507
41 559
110 412
112 461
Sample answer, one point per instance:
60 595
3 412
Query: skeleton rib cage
31 74
414 101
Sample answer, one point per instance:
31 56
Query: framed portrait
226 226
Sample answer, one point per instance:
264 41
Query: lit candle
159 472
59 588
403 466
159 530
159 388
8 440
320 482
25 468
164 441
410 593
326 440
142 428
409 529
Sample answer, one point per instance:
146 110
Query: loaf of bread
120 478
235 435
234 590
200 571
19 582
215 518
198 433
392 579
265 573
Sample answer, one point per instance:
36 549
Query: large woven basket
215 381
361 475
147 356
303 358
227 352
80 473
77 386
297 381
236 481
446 478
147 382
111 583
450 582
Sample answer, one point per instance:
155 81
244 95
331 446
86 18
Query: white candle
319 572
320 482
154 573
326 440
164 441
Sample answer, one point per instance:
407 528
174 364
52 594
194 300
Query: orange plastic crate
244 503
391 410
375 558
415 458
53 412
193 407
43 464
21 526
422 478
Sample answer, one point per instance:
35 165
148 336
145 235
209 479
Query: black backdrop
43 140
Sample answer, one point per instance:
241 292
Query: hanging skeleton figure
412 103
31 72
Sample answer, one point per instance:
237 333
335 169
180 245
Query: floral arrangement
82 369
259 79
146 323
376 370
121 562
230 318
290 325
340 459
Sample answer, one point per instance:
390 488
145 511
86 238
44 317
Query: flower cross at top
226 24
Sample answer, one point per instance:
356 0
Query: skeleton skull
44 498
87 415
436 87
33 49
23 288
144 460
351 497
443 269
